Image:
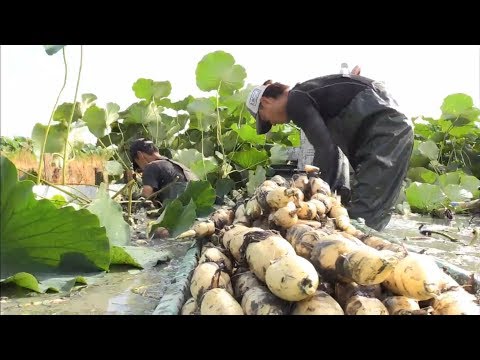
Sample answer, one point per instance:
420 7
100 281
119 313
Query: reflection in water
119 292
457 253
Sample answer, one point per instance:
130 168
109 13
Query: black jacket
335 102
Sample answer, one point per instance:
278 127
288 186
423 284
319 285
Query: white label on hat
254 97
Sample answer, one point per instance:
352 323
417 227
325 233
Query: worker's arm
151 179
302 112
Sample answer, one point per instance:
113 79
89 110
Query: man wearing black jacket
353 114
158 171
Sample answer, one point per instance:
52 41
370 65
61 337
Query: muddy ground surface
126 291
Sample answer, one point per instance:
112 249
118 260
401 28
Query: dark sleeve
302 112
152 175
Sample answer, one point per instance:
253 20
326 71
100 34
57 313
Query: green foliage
99 120
249 157
202 194
223 187
109 213
194 160
255 179
446 156
425 197
16 143
148 89
56 140
176 217
64 111
215 135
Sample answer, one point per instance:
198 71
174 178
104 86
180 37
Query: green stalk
445 138
123 188
42 150
157 120
203 155
219 126
130 200
71 117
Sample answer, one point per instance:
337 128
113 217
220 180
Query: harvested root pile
291 250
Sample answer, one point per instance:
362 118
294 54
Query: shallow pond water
458 252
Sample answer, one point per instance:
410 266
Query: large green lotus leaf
148 89
111 217
50 283
203 167
457 193
88 100
456 104
423 175
203 115
236 103
285 134
250 158
177 105
450 178
36 237
424 130
99 120
202 194
470 183
425 197
429 149
418 159
463 131
294 138
166 127
141 113
63 113
249 134
194 160
218 71
56 140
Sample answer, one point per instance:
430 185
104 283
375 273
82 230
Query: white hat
253 103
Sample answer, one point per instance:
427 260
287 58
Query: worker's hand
356 70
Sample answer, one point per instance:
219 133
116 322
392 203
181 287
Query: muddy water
118 292
458 252
125 291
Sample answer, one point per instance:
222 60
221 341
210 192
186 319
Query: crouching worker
159 173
